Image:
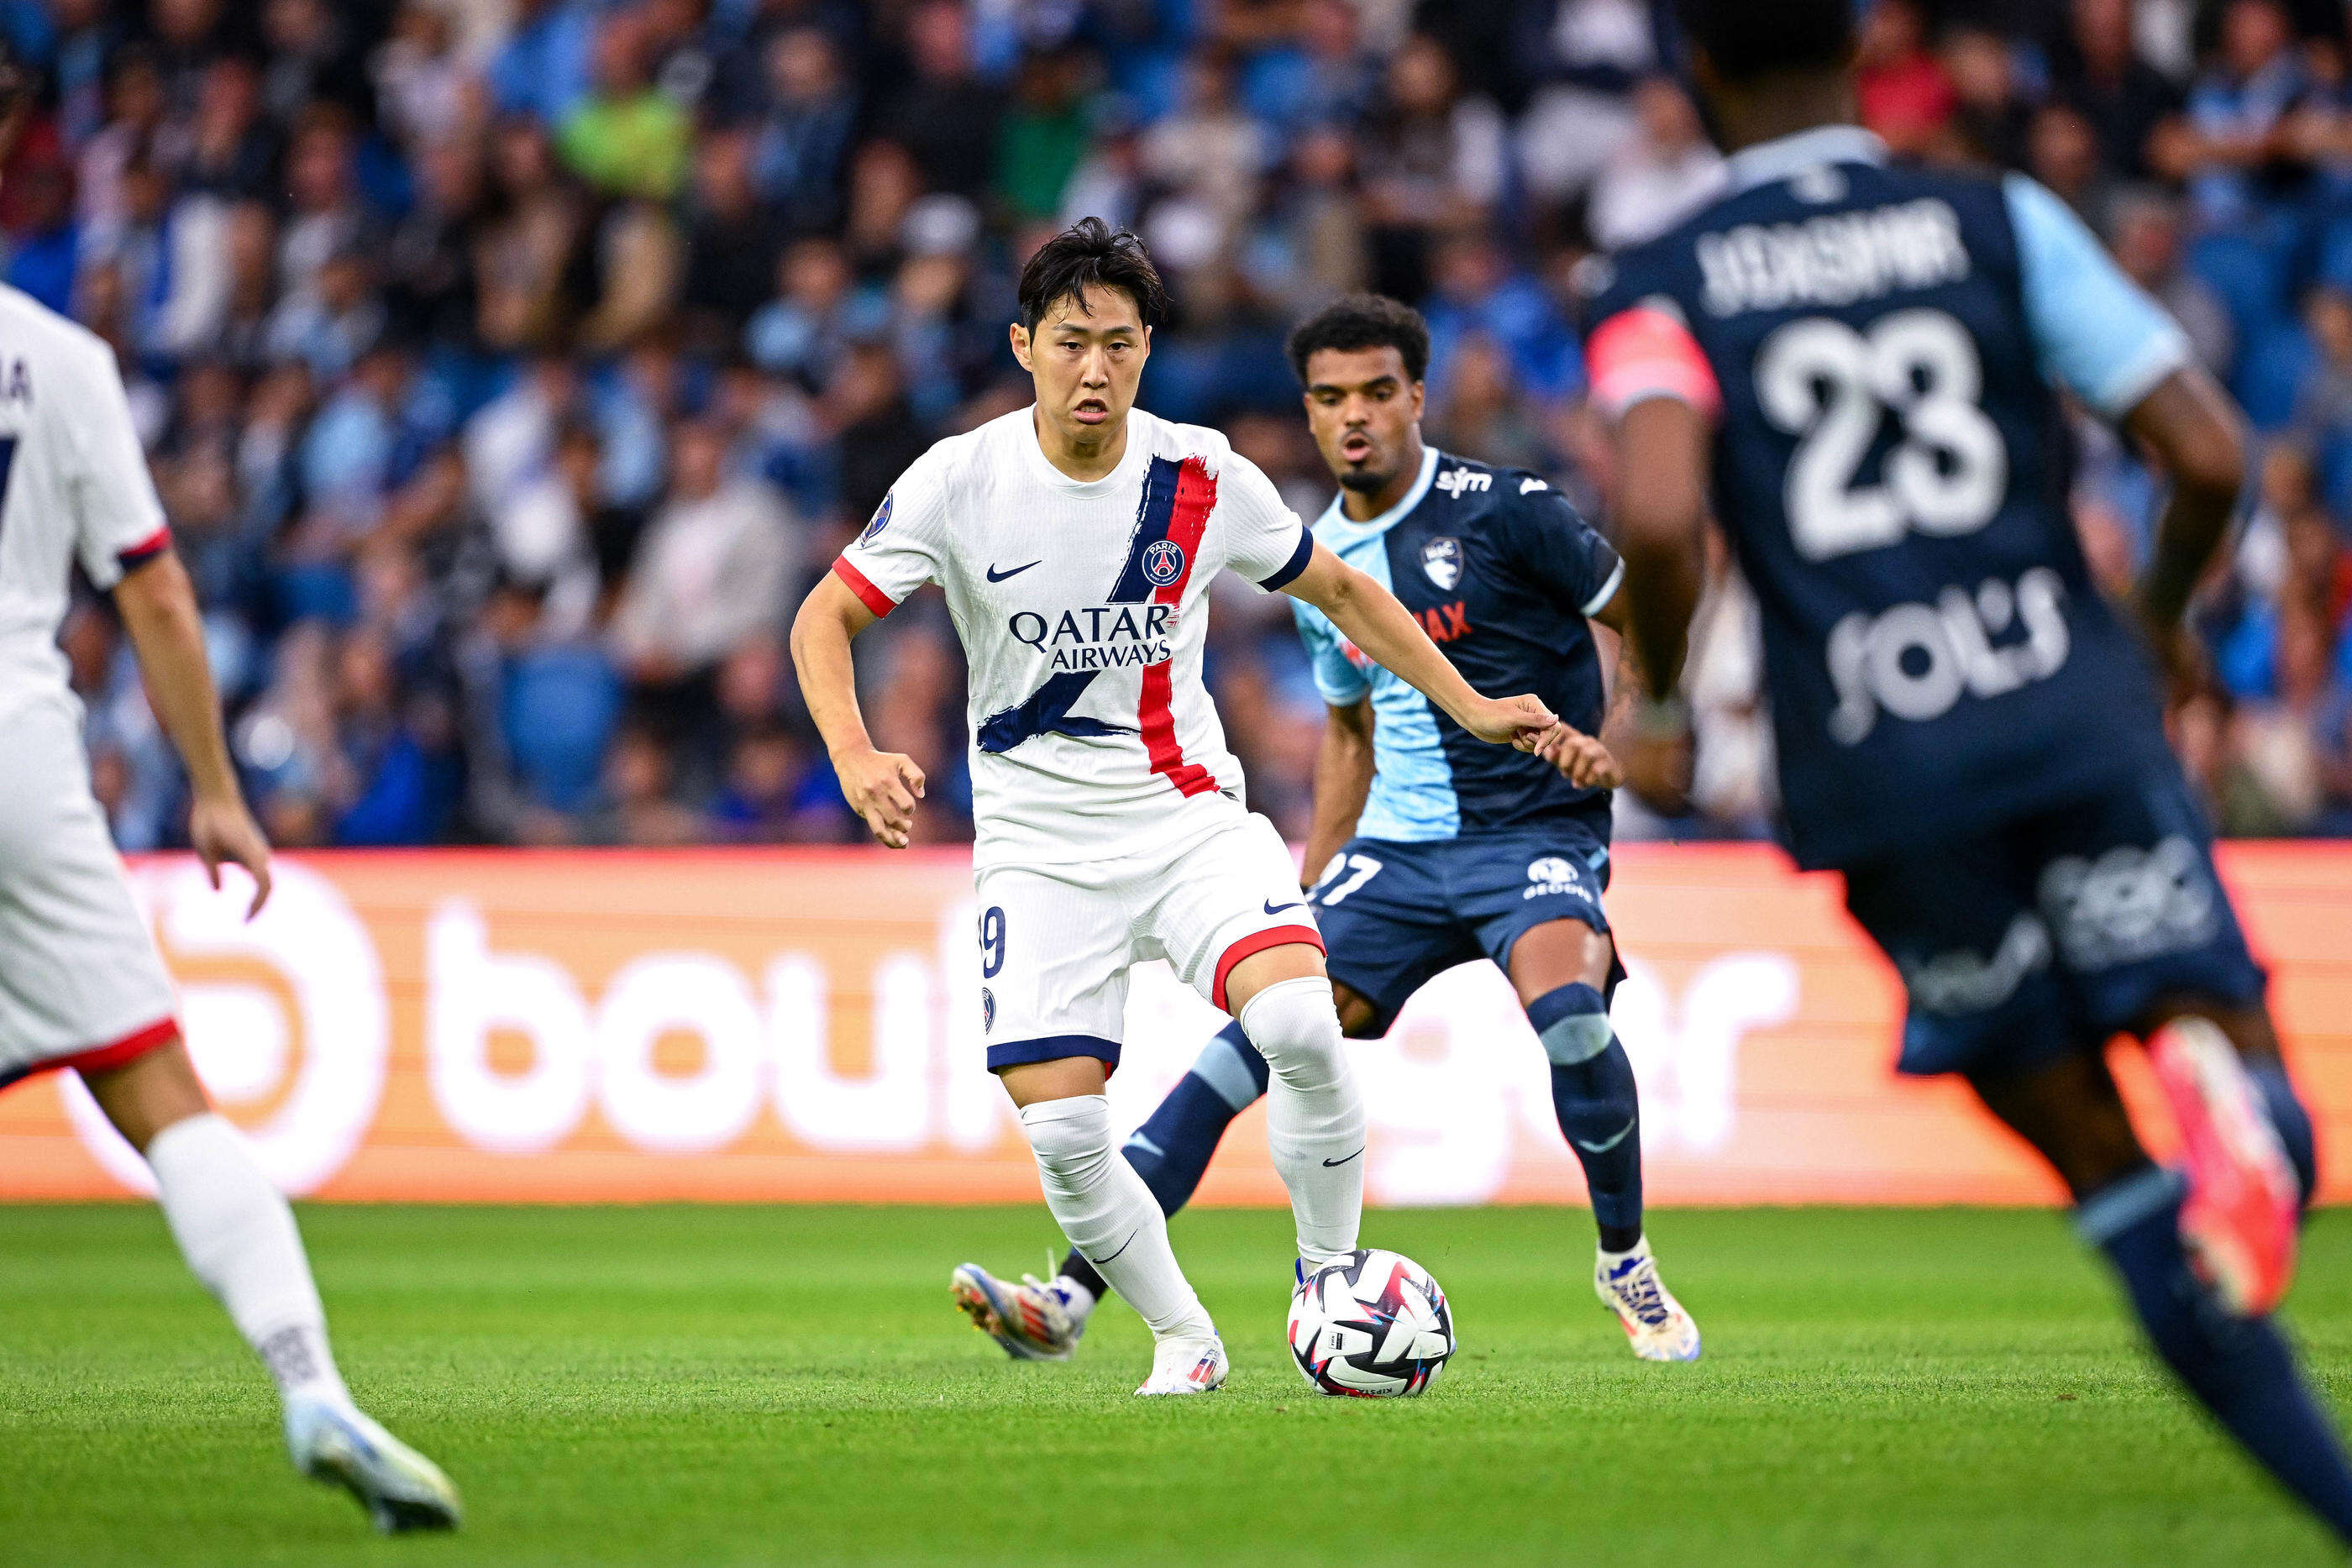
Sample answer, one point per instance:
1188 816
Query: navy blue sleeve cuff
1293 566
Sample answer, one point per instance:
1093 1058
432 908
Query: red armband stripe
874 598
1644 352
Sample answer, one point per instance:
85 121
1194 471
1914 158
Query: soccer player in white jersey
81 983
1076 540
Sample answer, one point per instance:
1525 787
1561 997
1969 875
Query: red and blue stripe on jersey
1178 498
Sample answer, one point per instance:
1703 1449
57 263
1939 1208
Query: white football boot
1628 1284
1033 1321
333 1440
1186 1364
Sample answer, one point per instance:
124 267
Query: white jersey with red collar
73 488
1083 608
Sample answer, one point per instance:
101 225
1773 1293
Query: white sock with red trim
238 1236
1314 1113
1110 1216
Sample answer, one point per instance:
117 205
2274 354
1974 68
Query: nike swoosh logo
1274 908
1604 1148
996 576
1123 1246
1342 1162
1138 1141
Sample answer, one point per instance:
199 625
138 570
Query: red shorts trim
873 597
1258 942
115 1053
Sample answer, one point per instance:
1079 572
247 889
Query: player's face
1365 412
1085 358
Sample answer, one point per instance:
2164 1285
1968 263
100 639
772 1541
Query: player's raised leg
1314 1111
2240 1367
2247 1147
238 1236
1042 1319
1111 1219
1561 971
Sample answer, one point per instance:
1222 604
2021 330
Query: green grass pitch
789 1385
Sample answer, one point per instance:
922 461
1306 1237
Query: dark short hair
1091 254
1744 39
1358 321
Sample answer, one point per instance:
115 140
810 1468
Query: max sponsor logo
1445 623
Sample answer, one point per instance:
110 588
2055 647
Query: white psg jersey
1082 608
73 486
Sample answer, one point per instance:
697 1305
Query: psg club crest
987 1010
1441 560
1163 562
881 520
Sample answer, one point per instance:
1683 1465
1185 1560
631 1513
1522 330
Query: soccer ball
1372 1325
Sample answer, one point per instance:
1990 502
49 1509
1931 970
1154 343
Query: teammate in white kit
1076 540
82 983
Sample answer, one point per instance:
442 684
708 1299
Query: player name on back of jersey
1834 260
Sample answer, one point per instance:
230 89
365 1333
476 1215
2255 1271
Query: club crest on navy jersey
1441 560
1163 562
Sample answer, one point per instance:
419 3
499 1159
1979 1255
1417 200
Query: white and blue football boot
1186 1364
1033 1321
334 1441
1628 1284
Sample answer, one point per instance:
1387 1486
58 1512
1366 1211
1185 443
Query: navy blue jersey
1890 467
1502 572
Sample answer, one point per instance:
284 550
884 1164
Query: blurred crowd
510 368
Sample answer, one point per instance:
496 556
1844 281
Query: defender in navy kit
1864 364
1429 849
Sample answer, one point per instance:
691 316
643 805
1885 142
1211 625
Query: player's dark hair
1746 39
1091 254
1359 322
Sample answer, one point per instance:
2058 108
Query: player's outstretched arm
1343 780
1369 616
881 786
2190 425
158 604
1662 453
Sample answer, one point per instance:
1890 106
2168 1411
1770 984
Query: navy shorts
1394 914
2049 933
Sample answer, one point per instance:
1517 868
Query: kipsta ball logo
881 519
987 1010
1163 562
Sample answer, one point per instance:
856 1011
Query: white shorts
1057 941
81 983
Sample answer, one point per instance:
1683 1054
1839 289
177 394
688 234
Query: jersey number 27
1822 380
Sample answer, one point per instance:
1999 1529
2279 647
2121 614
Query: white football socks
1314 1113
1108 1215
237 1234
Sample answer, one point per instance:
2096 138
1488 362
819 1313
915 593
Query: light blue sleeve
1336 676
2095 332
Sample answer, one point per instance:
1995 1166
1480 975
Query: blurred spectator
802 141
1585 56
2126 102
710 571
1905 94
1432 158
2147 236
627 138
1659 176
2238 152
946 117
